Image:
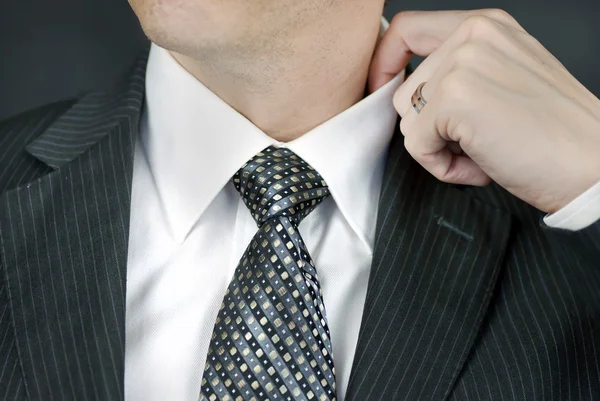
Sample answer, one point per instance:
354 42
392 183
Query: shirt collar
187 129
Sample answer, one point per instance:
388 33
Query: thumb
409 33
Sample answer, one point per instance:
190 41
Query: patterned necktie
271 340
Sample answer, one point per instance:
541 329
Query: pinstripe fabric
63 240
465 302
17 168
436 260
470 297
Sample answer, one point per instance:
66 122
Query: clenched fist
499 106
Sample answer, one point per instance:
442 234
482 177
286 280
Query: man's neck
299 82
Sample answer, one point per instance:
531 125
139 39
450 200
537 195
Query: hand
499 106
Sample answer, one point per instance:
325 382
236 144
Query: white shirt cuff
580 213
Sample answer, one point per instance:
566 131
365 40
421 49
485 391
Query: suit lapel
437 257
63 241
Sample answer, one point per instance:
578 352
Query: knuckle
404 126
499 14
411 146
454 87
401 16
453 81
467 54
480 26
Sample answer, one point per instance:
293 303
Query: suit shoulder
17 132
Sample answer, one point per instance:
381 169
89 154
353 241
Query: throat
286 92
288 104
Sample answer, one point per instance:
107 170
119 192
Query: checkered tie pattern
271 340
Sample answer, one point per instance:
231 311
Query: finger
399 43
437 154
461 49
423 33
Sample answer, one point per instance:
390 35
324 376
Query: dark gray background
52 49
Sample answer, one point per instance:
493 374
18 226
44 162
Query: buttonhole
443 223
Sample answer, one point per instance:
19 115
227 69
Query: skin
286 65
500 106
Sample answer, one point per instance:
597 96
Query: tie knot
276 182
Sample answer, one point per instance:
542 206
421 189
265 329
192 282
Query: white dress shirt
189 226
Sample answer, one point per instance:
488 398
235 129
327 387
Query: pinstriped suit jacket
469 298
